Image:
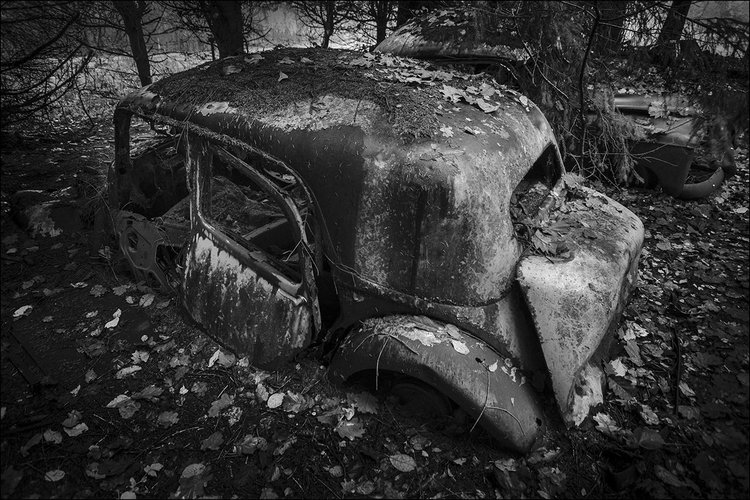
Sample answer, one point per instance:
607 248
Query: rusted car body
304 196
673 130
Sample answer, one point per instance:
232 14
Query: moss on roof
410 92
251 84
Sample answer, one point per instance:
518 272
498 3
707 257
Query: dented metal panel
576 303
233 291
242 309
485 384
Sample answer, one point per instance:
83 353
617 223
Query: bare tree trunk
674 24
381 9
132 18
330 13
405 11
611 27
224 18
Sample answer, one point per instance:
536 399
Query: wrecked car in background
416 220
674 129
672 126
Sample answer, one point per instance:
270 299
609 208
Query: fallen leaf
114 321
139 357
212 442
119 290
667 476
146 300
446 131
282 76
286 60
230 69
250 444
486 107
167 418
193 481
223 359
76 430
74 417
33 441
128 408
199 388
293 402
275 400
268 494
223 402
631 347
688 412
350 429
54 475
618 367
648 415
605 424
52 436
128 370
686 390
115 402
97 290
459 347
648 439
22 311
150 393
335 471
403 463
153 469
284 446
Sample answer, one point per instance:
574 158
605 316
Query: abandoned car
416 220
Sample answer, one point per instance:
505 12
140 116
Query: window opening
246 212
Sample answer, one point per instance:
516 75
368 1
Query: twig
581 77
328 487
486 400
377 363
678 373
509 413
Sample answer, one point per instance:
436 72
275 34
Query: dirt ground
98 403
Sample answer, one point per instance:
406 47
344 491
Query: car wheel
415 398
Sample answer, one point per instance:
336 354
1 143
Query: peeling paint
575 304
211 108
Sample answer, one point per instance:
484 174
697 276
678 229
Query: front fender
465 369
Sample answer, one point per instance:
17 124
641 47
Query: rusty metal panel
576 303
247 312
487 385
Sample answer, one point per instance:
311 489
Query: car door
248 275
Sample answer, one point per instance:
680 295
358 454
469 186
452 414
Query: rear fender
466 370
